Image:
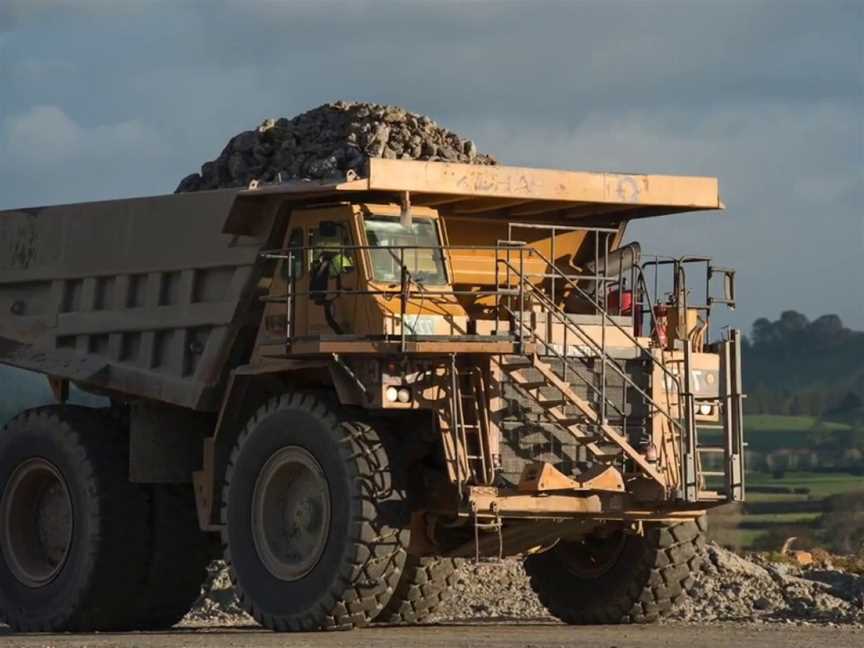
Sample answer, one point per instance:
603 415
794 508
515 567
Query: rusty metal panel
141 296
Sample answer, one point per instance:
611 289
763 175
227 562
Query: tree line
799 367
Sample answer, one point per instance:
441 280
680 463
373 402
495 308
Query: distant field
771 517
770 432
821 485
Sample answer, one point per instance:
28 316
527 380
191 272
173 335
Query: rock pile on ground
730 588
754 589
328 142
492 590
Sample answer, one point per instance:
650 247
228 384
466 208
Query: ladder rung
713 473
709 495
712 449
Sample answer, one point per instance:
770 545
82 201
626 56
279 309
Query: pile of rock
492 590
730 588
755 590
328 142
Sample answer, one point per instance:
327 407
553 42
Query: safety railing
517 285
409 288
600 349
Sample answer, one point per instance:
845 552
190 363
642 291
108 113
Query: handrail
606 315
576 329
568 359
521 248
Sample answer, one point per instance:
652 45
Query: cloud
45 135
26 9
41 71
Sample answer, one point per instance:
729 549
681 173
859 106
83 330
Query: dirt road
481 635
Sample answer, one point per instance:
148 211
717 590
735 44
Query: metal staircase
590 421
605 442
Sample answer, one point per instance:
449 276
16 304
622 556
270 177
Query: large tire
642 580
76 564
332 553
179 555
425 584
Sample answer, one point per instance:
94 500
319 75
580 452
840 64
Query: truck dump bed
157 297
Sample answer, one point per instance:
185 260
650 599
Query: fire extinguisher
661 324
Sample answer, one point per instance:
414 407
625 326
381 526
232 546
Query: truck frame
352 385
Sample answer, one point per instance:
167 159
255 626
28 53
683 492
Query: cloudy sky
113 98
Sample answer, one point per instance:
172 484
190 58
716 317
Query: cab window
425 265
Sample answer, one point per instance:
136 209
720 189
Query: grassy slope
820 485
771 432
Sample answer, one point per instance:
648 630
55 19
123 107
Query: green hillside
797 367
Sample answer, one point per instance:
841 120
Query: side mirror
728 297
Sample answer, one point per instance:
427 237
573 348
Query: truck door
329 280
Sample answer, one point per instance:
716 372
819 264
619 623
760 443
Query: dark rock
328 141
244 142
192 182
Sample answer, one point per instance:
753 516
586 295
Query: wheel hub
36 510
291 513
593 556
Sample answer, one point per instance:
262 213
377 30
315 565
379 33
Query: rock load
328 142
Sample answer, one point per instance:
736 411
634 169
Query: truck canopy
509 192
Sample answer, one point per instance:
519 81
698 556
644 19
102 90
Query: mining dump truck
343 388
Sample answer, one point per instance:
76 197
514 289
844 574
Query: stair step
589 438
516 362
608 454
533 384
568 421
552 403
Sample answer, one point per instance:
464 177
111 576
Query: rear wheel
425 584
179 555
312 519
73 530
620 578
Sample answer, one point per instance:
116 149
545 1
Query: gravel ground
475 635
730 588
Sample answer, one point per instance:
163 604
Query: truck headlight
706 409
404 395
391 394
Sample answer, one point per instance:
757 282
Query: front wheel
312 519
619 578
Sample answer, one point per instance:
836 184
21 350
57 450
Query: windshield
425 266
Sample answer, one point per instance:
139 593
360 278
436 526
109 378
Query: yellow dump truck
345 387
